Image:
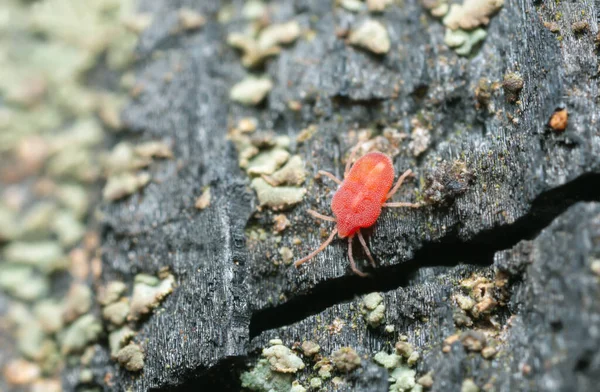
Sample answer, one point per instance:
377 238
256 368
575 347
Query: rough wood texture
525 175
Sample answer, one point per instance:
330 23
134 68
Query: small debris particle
278 34
190 19
279 197
310 348
282 359
461 319
404 348
204 200
371 35
512 84
280 223
552 26
469 385
388 361
122 185
247 125
464 302
426 381
294 106
449 341
267 162
307 133
389 329
559 120
473 340
488 352
287 255
131 357
21 372
463 42
580 27
148 293
420 138
471 14
483 95
251 91
446 182
345 359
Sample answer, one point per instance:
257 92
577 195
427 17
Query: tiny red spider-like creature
358 201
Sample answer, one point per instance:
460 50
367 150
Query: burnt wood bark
231 298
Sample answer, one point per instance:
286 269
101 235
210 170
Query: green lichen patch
251 91
118 339
346 359
373 309
77 302
47 256
111 292
148 293
23 282
116 313
371 35
282 359
262 379
464 42
267 162
257 48
131 357
80 334
471 14
402 379
292 173
310 348
277 198
388 361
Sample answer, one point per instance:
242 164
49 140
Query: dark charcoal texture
524 176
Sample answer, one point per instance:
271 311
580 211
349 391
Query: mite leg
303 260
330 176
366 248
351 159
315 214
401 204
399 183
352 264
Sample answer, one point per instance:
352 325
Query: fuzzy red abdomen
357 203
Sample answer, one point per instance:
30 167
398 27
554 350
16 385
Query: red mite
358 200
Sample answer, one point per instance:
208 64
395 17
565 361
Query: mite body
358 201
